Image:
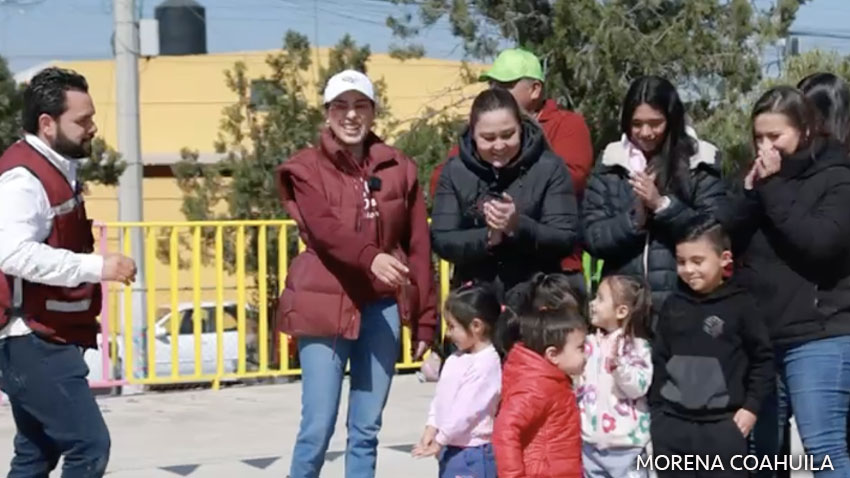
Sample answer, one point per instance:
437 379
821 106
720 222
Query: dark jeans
54 410
468 462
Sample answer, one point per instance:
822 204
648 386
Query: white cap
348 80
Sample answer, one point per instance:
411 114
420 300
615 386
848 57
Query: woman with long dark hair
830 98
504 207
830 95
649 188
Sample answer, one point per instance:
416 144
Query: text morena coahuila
737 463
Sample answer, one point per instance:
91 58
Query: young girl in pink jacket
460 421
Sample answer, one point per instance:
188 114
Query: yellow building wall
181 98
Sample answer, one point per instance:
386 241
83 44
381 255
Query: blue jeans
54 410
814 382
373 357
468 462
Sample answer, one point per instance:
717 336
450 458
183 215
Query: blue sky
75 29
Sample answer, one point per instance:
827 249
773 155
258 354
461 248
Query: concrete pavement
244 432
240 432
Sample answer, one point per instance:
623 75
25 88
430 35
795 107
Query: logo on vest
370 204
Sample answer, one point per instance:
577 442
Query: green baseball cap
514 64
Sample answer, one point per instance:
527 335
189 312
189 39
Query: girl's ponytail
543 295
545 292
635 294
474 300
507 331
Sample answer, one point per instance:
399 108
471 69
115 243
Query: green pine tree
593 49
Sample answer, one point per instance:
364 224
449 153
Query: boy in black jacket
712 360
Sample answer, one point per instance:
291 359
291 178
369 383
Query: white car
186 342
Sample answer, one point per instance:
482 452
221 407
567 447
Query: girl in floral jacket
612 390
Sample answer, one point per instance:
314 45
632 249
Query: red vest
60 314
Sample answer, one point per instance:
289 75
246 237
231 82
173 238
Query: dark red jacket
324 190
569 138
60 314
537 433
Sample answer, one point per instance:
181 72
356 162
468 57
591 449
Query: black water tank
182 27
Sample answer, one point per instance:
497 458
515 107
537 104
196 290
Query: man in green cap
520 72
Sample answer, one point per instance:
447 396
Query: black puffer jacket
792 237
540 185
614 233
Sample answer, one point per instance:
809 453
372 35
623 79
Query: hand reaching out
118 268
389 270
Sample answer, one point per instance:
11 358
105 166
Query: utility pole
792 46
130 186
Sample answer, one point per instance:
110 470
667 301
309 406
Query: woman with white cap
366 269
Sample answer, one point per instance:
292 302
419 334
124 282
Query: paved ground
242 432
239 432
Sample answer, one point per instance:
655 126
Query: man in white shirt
49 284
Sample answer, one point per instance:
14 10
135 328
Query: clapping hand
645 189
501 214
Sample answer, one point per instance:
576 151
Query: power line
63 56
241 6
359 15
19 3
809 33
351 16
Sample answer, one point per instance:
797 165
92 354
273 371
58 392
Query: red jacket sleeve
523 412
320 225
435 174
572 143
420 258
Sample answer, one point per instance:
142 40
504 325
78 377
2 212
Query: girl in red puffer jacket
537 433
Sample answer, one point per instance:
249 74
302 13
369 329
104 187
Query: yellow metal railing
200 288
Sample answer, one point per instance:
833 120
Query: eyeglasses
344 107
